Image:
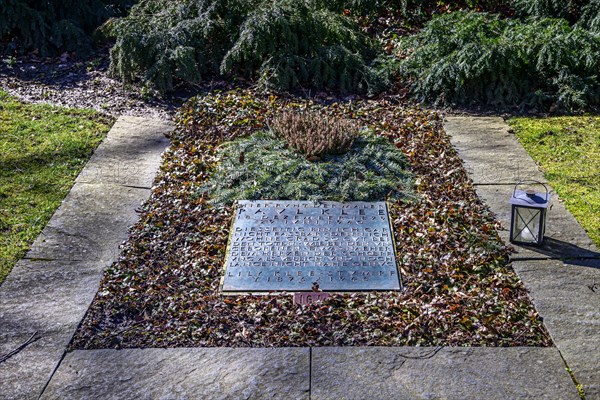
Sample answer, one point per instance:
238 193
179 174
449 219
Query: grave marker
278 245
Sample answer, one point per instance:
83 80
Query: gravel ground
78 84
66 82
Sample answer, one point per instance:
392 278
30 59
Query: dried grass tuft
315 134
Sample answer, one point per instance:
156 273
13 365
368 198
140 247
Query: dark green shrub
584 13
289 43
53 26
163 40
477 58
566 9
415 12
590 16
263 166
282 43
575 11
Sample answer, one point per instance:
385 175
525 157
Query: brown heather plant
315 134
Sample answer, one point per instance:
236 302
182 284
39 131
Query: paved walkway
50 290
563 276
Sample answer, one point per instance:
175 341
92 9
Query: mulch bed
164 290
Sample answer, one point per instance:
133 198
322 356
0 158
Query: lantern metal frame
541 207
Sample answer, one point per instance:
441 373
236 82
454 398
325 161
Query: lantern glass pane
526 225
543 222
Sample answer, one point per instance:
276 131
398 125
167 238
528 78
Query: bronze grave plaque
278 245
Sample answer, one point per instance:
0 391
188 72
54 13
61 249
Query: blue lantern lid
528 198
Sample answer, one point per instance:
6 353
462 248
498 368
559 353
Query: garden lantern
528 216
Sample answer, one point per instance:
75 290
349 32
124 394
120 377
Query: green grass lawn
568 151
42 149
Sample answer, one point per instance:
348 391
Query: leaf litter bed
164 289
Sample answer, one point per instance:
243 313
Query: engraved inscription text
292 245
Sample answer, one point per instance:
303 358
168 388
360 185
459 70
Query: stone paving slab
565 237
451 373
46 295
90 223
24 375
183 373
491 154
129 155
567 296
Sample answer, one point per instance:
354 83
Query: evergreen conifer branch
372 170
477 58
282 44
54 26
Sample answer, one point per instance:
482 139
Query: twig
131 326
588 204
122 331
594 286
8 355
